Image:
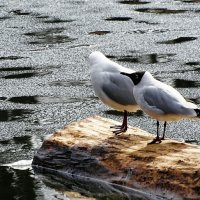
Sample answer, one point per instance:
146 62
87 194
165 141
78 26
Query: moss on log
90 149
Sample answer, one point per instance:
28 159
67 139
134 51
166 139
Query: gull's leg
123 127
163 137
157 139
124 121
124 124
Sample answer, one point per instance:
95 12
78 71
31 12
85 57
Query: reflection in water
193 63
49 36
25 142
182 71
65 187
16 114
26 139
57 20
25 99
71 83
148 58
89 188
22 75
26 75
52 39
118 19
190 1
7 69
99 33
197 69
21 144
181 83
133 2
11 57
3 98
79 45
77 2
20 12
21 140
160 10
18 184
4 18
178 40
47 99
19 148
38 16
139 31
146 22
45 32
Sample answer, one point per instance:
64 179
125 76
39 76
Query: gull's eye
136 76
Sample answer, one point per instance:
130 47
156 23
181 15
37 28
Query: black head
135 77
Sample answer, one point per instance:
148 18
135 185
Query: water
45 83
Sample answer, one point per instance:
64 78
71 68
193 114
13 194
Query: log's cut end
90 149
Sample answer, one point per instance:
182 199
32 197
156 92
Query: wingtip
197 112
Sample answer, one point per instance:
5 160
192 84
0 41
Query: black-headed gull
160 100
112 88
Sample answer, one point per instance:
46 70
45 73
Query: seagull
160 101
112 88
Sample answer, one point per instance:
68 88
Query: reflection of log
89 148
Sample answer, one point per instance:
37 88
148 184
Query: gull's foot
121 130
162 138
116 126
155 140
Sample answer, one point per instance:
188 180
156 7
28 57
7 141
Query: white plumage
159 100
112 88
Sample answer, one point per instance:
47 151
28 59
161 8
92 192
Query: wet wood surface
90 149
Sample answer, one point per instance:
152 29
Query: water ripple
178 40
49 36
181 83
134 2
147 58
160 10
47 99
13 115
99 32
118 19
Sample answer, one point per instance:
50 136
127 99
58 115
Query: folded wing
119 88
166 102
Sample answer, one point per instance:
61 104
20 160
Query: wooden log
89 148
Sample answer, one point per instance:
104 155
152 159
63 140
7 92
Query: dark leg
123 127
157 139
163 137
123 123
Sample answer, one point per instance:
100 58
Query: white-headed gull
161 101
112 88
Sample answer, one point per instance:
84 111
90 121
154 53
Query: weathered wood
89 148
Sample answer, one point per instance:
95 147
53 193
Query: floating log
88 148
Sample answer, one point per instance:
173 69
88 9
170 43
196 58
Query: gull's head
136 77
95 56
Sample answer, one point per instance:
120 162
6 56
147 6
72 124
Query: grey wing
119 88
160 99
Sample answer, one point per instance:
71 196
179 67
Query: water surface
45 81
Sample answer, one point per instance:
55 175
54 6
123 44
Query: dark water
45 83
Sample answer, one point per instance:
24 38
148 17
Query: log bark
88 148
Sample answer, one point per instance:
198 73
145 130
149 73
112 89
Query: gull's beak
126 74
